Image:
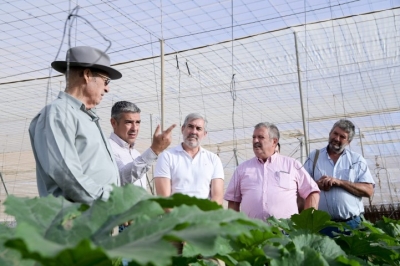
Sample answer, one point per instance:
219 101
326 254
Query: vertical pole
361 144
162 84
4 184
301 95
150 182
362 152
301 150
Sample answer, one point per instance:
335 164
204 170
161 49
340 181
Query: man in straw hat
73 157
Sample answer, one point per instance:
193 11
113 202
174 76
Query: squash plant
53 231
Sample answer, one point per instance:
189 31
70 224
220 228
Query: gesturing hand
161 140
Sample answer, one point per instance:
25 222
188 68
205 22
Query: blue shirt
350 166
73 158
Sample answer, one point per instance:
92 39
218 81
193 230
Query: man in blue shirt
342 176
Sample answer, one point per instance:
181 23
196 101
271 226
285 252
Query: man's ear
113 122
86 74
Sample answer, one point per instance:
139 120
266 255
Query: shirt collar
74 102
122 143
71 100
180 148
343 153
271 159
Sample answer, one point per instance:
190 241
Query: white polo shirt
189 176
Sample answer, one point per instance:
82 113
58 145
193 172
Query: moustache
192 136
257 145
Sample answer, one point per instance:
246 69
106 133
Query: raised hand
161 140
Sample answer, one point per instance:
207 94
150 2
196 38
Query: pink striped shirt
270 188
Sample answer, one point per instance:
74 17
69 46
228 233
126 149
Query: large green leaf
32 245
312 220
185 223
305 249
41 213
179 199
322 244
361 245
10 256
284 224
295 256
391 227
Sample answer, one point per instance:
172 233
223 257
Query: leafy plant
53 231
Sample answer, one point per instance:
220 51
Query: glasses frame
106 79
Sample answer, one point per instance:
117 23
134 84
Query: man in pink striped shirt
268 184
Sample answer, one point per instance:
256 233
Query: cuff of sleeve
106 193
149 156
229 198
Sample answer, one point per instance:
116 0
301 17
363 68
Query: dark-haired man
342 176
125 120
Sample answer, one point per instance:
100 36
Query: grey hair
193 116
345 125
123 107
273 131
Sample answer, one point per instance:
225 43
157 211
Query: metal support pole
236 158
301 150
162 84
301 95
4 184
362 152
150 182
361 144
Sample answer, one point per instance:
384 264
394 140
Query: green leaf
358 244
306 256
179 199
41 213
32 245
342 260
284 224
311 219
322 244
254 256
10 256
221 247
258 237
389 226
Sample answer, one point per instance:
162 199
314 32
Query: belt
346 220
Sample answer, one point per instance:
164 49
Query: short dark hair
123 107
279 147
345 125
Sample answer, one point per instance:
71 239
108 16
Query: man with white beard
342 176
188 168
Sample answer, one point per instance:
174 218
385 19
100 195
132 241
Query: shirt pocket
286 180
348 174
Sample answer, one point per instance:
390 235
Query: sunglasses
107 80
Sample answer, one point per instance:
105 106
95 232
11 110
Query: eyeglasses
107 80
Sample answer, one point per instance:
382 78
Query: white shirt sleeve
163 166
135 170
